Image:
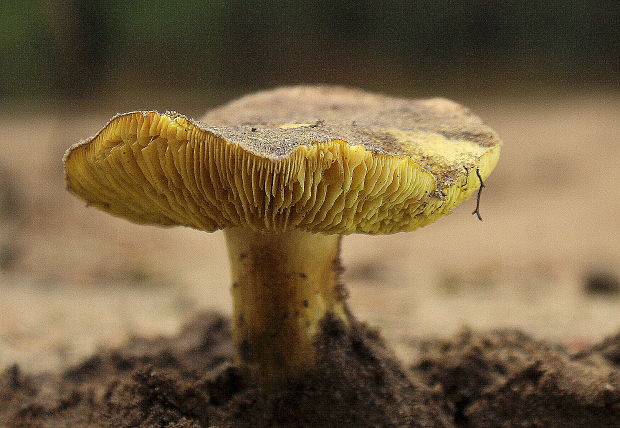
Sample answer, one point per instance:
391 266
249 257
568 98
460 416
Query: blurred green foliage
74 48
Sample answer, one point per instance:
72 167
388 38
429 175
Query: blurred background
545 75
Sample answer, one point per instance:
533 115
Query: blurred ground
74 279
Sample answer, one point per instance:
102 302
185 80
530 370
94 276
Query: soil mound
473 380
507 379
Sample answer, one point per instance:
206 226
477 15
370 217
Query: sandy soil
75 279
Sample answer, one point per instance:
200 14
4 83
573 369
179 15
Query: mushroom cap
318 158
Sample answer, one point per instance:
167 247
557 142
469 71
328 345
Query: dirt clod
602 283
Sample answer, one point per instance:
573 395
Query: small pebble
602 284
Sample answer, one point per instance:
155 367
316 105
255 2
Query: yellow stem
284 284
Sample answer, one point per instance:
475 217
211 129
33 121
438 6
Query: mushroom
285 173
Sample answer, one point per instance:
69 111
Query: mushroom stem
283 285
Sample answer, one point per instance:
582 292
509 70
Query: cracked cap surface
318 158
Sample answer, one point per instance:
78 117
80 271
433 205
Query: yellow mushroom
285 173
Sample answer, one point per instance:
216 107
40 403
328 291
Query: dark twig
466 177
477 210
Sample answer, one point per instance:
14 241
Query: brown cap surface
322 159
